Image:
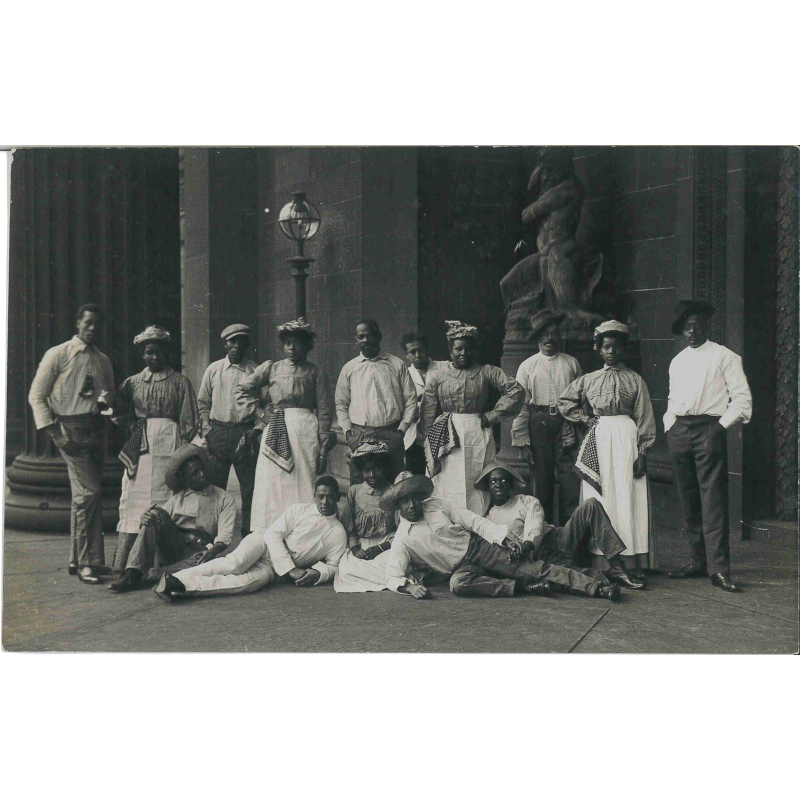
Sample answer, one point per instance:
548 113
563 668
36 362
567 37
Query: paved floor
46 609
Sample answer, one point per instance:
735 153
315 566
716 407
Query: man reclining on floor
588 530
305 543
480 557
194 526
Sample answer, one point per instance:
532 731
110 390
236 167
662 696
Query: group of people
428 500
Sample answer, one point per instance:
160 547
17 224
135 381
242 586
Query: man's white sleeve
274 537
491 532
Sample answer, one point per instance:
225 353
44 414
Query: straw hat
405 484
483 479
179 458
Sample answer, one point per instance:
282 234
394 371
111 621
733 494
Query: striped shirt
216 400
211 510
544 378
375 392
68 381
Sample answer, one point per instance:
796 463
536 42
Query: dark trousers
488 571
698 449
572 545
222 440
164 547
551 466
81 445
415 459
385 433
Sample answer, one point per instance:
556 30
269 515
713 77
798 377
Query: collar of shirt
615 367
701 348
380 357
471 371
205 492
156 376
242 367
549 358
77 345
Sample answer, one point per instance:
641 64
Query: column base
38 495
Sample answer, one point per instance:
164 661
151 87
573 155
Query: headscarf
152 333
459 330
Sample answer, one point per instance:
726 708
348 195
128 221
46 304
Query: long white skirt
462 465
624 498
147 487
275 489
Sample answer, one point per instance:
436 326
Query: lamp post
299 220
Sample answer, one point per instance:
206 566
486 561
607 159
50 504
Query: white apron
275 489
624 498
462 465
147 487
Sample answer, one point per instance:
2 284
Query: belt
698 418
79 417
217 424
551 410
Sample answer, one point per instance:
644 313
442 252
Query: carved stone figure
561 275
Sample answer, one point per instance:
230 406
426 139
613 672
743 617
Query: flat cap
235 330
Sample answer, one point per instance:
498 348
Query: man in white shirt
480 557
708 393
539 430
375 398
305 544
415 348
194 526
73 385
220 425
587 531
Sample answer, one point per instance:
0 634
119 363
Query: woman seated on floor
370 530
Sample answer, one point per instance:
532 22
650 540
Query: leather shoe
723 582
87 575
538 587
689 571
131 579
618 575
102 569
73 568
610 591
169 587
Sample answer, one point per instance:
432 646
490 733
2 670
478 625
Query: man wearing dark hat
220 425
539 431
708 393
570 545
480 556
194 526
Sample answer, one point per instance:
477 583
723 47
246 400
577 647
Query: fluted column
86 226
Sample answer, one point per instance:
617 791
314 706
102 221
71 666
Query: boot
131 579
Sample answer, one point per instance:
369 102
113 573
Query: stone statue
561 275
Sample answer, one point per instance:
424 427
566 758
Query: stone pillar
86 226
786 306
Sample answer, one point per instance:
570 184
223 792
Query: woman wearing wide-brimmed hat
615 402
370 530
158 407
456 417
291 402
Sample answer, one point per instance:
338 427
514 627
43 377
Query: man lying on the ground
480 557
587 531
194 526
305 544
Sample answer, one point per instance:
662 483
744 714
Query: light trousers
247 569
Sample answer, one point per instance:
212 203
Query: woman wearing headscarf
614 405
158 407
291 401
456 417
370 530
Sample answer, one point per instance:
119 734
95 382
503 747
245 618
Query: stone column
786 307
86 226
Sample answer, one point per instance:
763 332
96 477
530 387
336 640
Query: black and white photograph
262 392
400 401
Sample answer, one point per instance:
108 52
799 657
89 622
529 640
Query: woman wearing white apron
615 402
456 418
159 408
292 402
